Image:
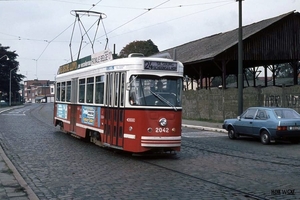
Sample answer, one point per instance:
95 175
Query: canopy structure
265 43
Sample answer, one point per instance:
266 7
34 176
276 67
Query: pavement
12 184
14 187
204 125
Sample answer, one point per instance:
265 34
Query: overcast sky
40 30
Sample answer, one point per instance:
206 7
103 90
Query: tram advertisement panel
89 115
62 111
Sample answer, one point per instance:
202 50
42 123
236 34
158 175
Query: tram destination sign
87 61
156 65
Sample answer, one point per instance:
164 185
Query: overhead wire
94 5
229 2
106 33
148 10
61 34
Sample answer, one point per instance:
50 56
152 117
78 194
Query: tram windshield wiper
163 99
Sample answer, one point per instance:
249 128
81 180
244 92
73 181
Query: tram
131 104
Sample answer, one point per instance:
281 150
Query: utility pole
240 62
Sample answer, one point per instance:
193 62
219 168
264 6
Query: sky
45 36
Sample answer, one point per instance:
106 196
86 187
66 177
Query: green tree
284 70
9 66
147 48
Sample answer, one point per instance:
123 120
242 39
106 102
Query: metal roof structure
268 42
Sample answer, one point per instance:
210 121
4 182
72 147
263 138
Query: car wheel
264 137
231 133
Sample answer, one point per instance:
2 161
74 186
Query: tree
9 66
147 48
284 71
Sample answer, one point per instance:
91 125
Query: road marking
20 112
15 114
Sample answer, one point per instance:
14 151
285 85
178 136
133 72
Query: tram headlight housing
163 122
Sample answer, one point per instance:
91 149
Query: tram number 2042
161 130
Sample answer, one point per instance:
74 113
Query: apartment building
38 91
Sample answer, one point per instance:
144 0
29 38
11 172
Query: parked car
267 123
3 103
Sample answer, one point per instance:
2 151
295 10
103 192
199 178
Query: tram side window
68 91
90 90
81 90
58 92
122 89
63 91
116 89
99 93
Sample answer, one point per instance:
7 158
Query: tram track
193 146
34 112
266 159
234 191
250 155
39 115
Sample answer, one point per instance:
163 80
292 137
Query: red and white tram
132 104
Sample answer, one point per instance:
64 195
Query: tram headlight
163 122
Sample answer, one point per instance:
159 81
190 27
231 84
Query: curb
204 128
31 195
17 175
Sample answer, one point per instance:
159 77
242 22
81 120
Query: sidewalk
14 187
206 126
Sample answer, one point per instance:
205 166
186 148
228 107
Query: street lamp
10 85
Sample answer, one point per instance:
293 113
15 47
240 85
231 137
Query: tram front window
155 91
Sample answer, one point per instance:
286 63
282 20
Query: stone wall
217 104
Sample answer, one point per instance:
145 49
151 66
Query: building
37 91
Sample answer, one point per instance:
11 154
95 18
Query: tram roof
125 62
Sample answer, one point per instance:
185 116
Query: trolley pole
240 62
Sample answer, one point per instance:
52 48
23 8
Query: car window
261 115
249 114
286 114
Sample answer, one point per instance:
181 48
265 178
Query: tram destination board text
156 65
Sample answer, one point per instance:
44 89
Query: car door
259 121
244 125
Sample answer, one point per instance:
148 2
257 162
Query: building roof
203 53
209 47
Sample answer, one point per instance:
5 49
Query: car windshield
150 90
286 114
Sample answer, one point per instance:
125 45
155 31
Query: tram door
114 108
73 100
